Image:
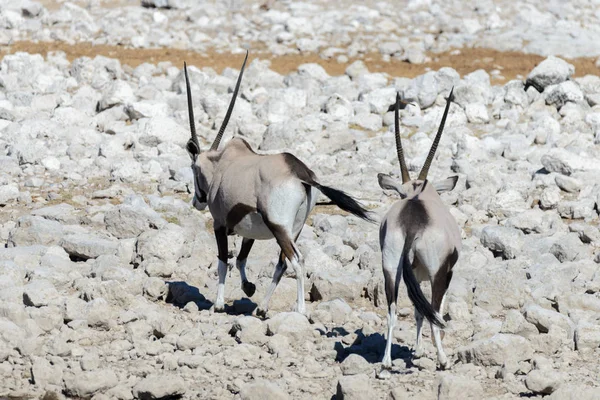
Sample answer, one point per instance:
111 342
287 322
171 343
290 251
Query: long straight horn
403 169
190 107
215 144
436 141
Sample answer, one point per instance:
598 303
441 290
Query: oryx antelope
419 240
257 197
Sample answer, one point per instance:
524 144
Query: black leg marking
221 236
283 239
245 249
442 279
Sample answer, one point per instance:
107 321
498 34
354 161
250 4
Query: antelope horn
190 107
215 144
436 141
403 169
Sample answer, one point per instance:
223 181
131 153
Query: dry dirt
511 64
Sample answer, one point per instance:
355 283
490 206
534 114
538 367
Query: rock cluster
107 274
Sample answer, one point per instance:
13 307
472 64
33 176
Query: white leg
442 306
300 306
419 344
279 270
220 303
387 357
442 359
241 266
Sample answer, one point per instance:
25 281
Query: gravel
107 274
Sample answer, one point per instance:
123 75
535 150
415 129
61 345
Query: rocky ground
107 275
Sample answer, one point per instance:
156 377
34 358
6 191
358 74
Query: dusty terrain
108 275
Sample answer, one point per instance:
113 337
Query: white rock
160 386
32 230
63 213
354 387
550 197
564 92
568 184
86 246
544 319
355 364
587 336
39 293
562 161
248 329
453 387
119 92
87 383
497 350
44 373
8 193
569 248
574 391
158 130
502 240
291 324
262 389
477 113
551 71
543 382
166 244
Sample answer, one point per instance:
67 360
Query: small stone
119 92
544 319
354 387
160 386
567 183
569 248
8 193
497 350
457 387
87 383
291 324
262 389
587 336
425 364
354 364
248 329
551 71
505 241
477 113
550 197
39 292
543 381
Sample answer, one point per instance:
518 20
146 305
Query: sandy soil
510 64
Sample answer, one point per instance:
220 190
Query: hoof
249 288
218 308
444 365
418 353
386 363
261 313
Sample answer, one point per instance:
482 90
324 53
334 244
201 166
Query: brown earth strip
510 64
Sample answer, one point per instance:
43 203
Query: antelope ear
192 148
446 185
386 182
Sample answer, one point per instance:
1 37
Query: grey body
419 241
258 197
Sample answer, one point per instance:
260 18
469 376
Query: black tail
344 201
341 199
416 294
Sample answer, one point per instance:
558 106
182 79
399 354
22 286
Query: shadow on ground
370 347
181 293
